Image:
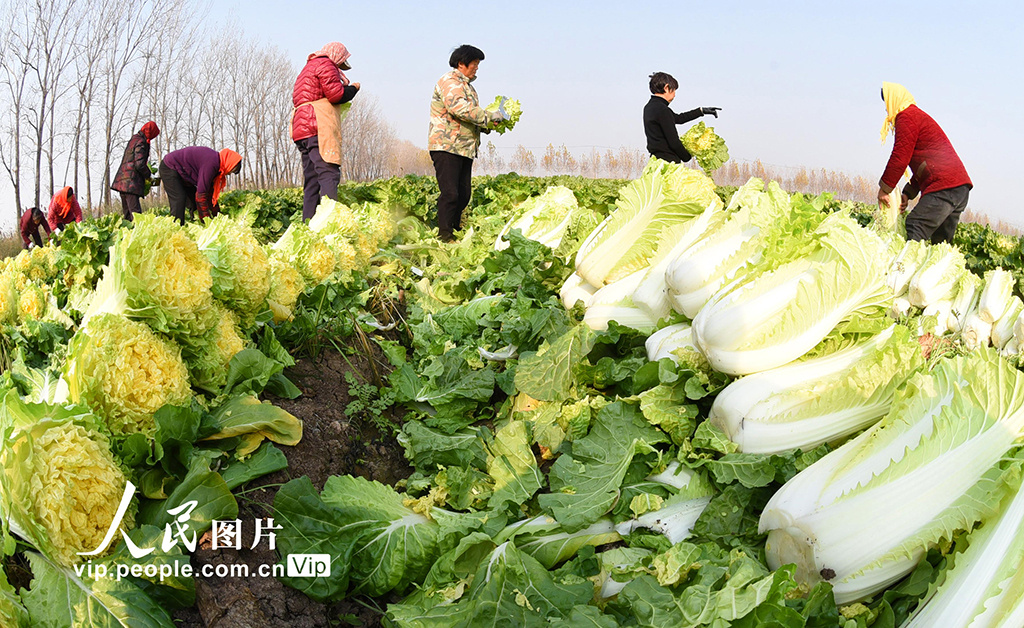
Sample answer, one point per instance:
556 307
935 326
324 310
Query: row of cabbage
764 282
168 348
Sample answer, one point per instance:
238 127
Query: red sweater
922 145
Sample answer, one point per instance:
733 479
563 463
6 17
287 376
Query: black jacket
660 127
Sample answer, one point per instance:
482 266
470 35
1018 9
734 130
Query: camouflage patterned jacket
456 116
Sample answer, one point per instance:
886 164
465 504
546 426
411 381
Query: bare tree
367 141
15 52
53 25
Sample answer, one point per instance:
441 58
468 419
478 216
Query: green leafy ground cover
531 437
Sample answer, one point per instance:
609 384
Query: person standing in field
660 122
133 174
193 177
316 122
938 174
64 209
31 220
456 120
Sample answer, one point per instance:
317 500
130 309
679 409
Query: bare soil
332 444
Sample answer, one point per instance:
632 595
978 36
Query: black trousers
180 193
130 205
455 182
319 178
937 214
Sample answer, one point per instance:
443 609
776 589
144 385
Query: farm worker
31 220
193 177
316 122
64 209
456 119
938 173
660 122
133 174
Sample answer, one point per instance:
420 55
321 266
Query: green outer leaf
547 374
398 545
309 526
59 598
587 483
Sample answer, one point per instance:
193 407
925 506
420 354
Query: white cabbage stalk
675 519
995 297
667 340
863 516
900 307
1011 350
1002 329
937 277
905 266
1018 331
615 561
804 404
545 219
965 301
678 514
576 290
675 475
985 587
703 269
638 233
614 302
976 332
935 318
772 318
653 292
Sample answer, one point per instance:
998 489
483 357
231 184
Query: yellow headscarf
897 98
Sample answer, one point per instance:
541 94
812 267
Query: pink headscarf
337 53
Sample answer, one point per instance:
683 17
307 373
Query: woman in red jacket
316 122
64 209
938 173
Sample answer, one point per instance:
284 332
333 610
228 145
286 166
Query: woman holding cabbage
456 120
316 122
193 177
938 174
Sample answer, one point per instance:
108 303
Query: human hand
710 111
355 85
883 197
904 201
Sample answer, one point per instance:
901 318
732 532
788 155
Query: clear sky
798 82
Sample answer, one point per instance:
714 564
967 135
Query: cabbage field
656 402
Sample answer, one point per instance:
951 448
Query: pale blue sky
798 82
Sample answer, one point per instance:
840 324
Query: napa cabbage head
822 399
125 372
9 297
943 454
32 302
166 278
774 315
239 265
757 216
513 111
652 214
286 285
543 218
208 356
61 486
308 252
706 146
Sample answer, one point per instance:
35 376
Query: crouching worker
193 177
